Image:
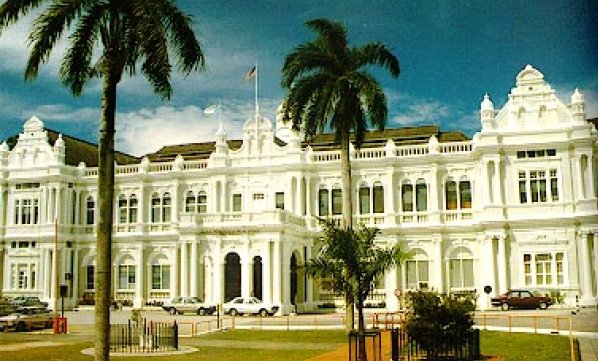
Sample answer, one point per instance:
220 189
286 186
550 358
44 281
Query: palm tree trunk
347 220
104 231
363 356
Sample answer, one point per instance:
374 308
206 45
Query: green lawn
512 346
525 347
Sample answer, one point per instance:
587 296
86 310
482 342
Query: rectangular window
543 269
522 188
378 199
126 277
155 210
323 206
554 185
337 201
237 202
465 190
202 203
160 277
421 197
461 273
364 200
417 274
90 280
451 195
527 269
258 196
407 197
279 200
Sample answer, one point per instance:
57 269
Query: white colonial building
515 206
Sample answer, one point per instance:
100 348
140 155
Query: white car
27 319
179 305
248 305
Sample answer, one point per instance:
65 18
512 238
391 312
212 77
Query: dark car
521 299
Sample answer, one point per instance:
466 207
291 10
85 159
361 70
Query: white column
595 239
266 274
48 273
75 276
140 281
586 274
578 174
391 282
437 264
591 191
301 200
193 278
245 275
308 196
184 270
497 182
174 274
502 264
276 274
309 287
176 201
285 281
487 269
217 274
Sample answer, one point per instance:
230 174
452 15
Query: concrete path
588 348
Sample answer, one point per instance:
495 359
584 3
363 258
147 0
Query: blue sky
451 53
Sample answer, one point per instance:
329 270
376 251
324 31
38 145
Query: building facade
514 206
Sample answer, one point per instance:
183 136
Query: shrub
437 322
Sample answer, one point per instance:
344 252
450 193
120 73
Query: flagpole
257 106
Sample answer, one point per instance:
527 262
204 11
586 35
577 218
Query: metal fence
143 336
404 347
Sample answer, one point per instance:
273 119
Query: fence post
176 335
394 344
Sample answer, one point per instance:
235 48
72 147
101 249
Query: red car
521 299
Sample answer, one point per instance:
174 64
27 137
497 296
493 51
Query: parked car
188 305
248 305
6 307
27 319
22 301
521 299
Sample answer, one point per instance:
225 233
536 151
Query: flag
251 73
211 109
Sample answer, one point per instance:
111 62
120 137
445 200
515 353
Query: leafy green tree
107 39
438 322
329 86
350 261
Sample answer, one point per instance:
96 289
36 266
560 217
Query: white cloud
148 129
63 113
420 111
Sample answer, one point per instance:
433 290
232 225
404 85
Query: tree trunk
103 285
347 218
363 356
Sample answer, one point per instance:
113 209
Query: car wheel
201 311
542 305
263 313
505 306
234 312
173 311
21 327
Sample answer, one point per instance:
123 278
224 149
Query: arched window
202 202
378 200
337 200
190 202
451 194
461 269
407 196
160 274
126 274
417 274
122 209
133 209
464 194
155 208
166 207
323 203
364 199
90 211
421 196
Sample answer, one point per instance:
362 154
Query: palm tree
349 262
329 87
108 38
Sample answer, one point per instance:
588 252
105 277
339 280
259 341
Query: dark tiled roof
78 151
190 151
594 121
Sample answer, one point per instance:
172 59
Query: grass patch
525 347
317 336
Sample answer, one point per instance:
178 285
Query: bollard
394 344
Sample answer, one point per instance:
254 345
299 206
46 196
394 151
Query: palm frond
47 30
76 66
376 53
11 10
